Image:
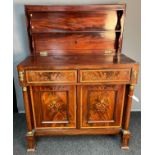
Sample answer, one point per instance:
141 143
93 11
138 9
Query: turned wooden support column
128 107
30 133
125 131
27 109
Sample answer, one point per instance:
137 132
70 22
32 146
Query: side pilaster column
30 132
125 131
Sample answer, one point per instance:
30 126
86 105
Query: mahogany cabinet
76 80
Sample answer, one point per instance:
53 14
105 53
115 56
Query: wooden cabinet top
97 7
75 61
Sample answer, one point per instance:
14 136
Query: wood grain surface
54 106
74 21
101 106
48 76
76 81
74 29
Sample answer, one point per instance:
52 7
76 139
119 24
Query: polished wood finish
76 80
101 106
48 76
75 21
90 131
30 143
126 133
30 134
77 41
92 27
54 106
105 75
73 8
82 61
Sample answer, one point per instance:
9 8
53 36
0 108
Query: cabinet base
31 150
31 145
125 147
125 139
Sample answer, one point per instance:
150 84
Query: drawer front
109 75
51 76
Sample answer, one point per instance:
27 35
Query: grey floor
78 145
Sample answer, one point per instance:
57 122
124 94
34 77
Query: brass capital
125 131
24 88
132 87
30 133
134 75
21 76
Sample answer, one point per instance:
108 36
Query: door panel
54 106
101 106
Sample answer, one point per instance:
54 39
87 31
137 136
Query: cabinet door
101 106
54 106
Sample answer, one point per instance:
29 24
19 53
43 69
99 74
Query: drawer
105 75
51 76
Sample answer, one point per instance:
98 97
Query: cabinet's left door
54 106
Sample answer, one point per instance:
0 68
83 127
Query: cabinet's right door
101 106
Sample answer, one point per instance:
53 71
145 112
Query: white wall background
131 43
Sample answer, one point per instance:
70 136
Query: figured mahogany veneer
101 106
75 21
76 81
59 30
54 106
54 76
75 41
105 75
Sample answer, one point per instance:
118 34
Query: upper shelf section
72 8
104 22
75 21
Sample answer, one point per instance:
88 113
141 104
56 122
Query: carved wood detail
104 75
